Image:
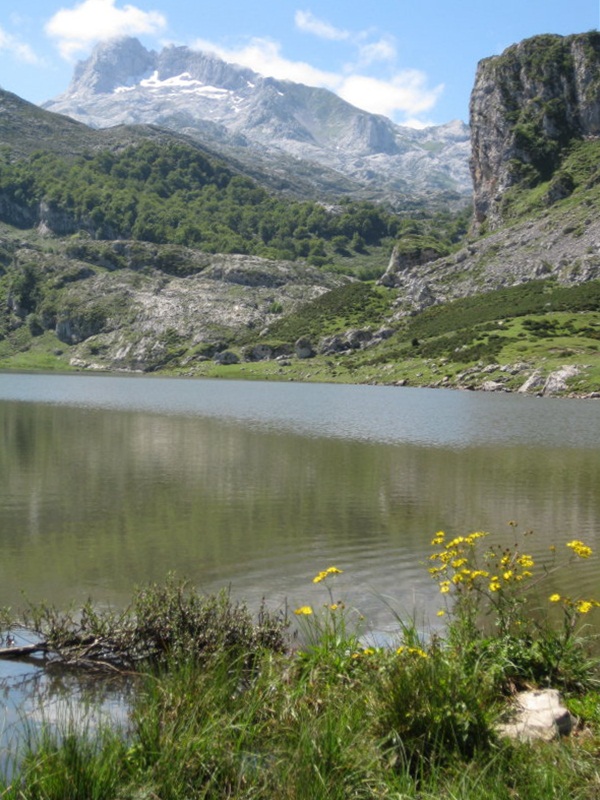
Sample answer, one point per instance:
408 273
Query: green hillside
95 227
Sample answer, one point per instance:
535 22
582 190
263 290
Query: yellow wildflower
494 585
554 598
368 651
583 606
441 612
303 610
416 651
458 562
508 575
445 587
580 549
324 573
525 561
438 538
455 542
334 606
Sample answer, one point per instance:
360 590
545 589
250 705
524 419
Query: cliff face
527 105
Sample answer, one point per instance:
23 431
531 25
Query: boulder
303 348
534 383
358 337
226 357
557 381
537 714
492 386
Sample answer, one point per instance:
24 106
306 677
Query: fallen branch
23 650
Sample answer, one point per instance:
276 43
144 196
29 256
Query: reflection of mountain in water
95 500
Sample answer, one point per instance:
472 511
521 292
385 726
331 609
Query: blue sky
412 61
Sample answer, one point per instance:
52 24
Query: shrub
167 620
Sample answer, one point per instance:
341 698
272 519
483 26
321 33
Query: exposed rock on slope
140 317
526 106
559 243
535 126
287 125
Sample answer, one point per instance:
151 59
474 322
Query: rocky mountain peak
289 128
119 62
526 106
205 67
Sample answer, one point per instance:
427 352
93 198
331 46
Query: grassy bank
231 708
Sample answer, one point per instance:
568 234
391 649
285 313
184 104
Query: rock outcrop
526 106
535 124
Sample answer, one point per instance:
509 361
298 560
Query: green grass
351 306
541 323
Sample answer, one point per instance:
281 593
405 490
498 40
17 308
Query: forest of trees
175 194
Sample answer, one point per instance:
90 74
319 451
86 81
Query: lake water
107 482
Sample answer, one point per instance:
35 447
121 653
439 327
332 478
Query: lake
110 481
107 482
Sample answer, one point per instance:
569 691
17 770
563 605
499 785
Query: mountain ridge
232 106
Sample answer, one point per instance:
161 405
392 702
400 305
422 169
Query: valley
141 248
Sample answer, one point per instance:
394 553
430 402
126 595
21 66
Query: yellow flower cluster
580 549
303 611
329 571
457 565
366 651
581 606
412 651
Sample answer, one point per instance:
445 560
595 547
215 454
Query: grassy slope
540 324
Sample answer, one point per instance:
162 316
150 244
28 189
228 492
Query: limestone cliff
527 105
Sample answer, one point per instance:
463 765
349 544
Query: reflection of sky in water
32 700
376 413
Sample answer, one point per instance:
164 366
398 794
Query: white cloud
264 56
20 50
406 93
307 22
91 21
383 50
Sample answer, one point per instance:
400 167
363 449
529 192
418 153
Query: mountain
132 248
535 129
528 105
287 127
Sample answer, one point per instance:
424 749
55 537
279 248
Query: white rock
537 714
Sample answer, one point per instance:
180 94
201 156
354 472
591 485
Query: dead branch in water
163 620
